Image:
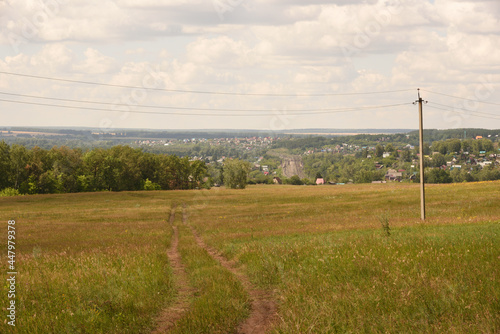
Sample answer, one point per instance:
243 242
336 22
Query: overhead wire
459 112
250 112
162 107
200 91
461 98
276 112
464 109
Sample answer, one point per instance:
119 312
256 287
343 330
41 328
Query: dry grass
89 263
321 248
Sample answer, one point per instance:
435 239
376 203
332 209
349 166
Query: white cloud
255 46
221 51
137 51
478 17
319 74
96 63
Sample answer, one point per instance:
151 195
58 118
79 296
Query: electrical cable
462 98
466 110
161 107
458 112
200 91
277 112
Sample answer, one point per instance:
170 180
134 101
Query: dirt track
263 307
168 318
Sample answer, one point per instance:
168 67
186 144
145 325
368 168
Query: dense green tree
363 176
466 145
149 165
5 165
427 149
439 146
198 172
67 165
19 158
295 180
175 172
453 146
257 177
437 175
489 173
235 173
125 168
215 172
94 164
406 155
487 145
47 183
438 160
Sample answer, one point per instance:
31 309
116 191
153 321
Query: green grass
98 261
220 301
420 279
335 269
89 263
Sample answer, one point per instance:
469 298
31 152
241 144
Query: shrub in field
148 185
9 192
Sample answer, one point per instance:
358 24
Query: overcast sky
287 64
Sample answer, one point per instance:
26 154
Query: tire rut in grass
169 316
263 307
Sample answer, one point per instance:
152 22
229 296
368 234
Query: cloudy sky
249 64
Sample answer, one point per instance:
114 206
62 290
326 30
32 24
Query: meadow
335 259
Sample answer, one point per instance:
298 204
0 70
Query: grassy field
96 263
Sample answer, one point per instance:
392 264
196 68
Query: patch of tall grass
93 292
92 263
420 279
321 249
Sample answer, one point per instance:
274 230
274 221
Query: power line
282 112
200 91
463 109
459 112
461 98
162 107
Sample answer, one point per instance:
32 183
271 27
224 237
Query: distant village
383 160
306 159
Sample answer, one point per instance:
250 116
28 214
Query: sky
249 64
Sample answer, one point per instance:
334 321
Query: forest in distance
203 163
63 169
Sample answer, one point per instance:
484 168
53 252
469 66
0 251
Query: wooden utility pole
421 134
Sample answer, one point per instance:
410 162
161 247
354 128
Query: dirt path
170 315
263 307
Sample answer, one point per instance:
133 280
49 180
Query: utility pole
421 135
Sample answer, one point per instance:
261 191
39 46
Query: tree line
65 170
